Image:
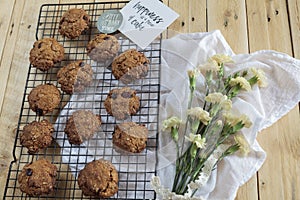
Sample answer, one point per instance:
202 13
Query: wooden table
248 26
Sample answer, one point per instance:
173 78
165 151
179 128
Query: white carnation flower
171 122
193 73
215 97
220 58
260 74
200 114
197 139
234 119
244 146
209 66
240 81
218 97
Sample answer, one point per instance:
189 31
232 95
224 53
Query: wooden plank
192 15
6 62
294 12
7 28
268 29
15 58
278 177
197 16
6 9
248 191
181 24
230 17
257 25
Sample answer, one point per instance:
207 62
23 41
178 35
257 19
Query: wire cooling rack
135 170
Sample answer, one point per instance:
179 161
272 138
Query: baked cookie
122 102
38 178
129 66
44 98
103 48
73 22
37 135
45 53
75 76
81 126
98 178
130 136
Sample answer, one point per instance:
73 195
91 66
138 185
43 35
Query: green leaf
237 127
253 80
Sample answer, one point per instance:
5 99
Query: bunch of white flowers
212 130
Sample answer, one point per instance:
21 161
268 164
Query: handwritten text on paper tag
144 20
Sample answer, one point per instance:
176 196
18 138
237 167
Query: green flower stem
194 126
229 151
183 141
184 169
214 110
180 165
207 92
188 169
174 134
185 177
201 129
228 130
190 99
177 165
198 167
193 151
220 76
183 185
232 92
208 77
192 88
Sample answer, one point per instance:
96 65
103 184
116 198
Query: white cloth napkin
264 106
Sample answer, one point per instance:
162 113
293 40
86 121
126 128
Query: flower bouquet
211 130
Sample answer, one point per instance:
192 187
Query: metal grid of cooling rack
135 170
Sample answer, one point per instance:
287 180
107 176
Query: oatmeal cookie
81 126
44 98
129 66
98 178
45 53
75 76
37 135
130 136
103 48
38 178
122 102
74 22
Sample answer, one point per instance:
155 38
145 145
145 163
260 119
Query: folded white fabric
264 106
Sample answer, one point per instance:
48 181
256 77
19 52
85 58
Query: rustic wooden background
247 25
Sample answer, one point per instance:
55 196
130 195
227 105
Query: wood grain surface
247 25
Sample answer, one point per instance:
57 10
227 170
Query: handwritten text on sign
144 20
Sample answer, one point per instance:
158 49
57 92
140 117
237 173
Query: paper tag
144 20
